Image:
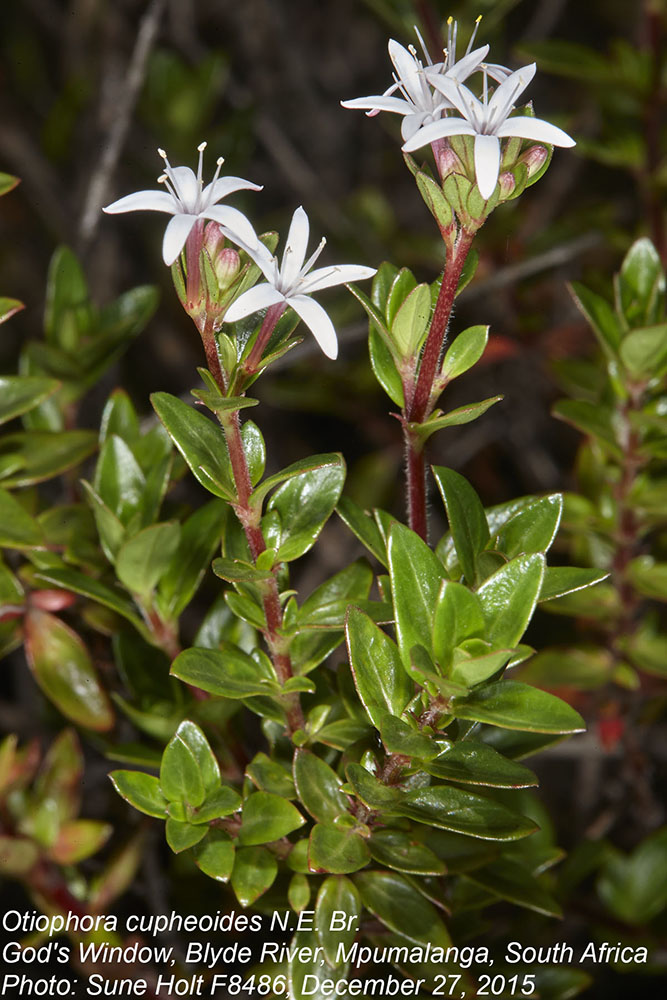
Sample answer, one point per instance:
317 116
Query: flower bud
446 159
507 185
226 266
534 159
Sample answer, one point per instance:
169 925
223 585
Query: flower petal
217 190
458 95
467 65
525 127
438 130
318 321
144 201
412 123
327 277
234 223
175 235
505 95
407 69
294 253
487 163
186 186
260 297
379 103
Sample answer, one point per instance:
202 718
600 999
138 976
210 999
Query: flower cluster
432 94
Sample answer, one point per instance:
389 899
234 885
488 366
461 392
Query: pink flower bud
507 184
534 159
226 266
214 239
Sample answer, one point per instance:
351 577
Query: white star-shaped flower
488 121
291 284
188 200
420 104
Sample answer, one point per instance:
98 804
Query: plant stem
249 517
418 401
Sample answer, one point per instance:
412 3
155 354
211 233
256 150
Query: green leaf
271 776
119 481
403 853
416 577
408 327
20 393
398 737
641 285
218 803
200 536
34 456
79 583
337 895
592 419
215 855
18 530
255 450
458 616
64 670
254 872
474 763
310 464
9 308
194 739
109 528
465 351
437 204
510 880
268 817
180 777
142 791
561 580
513 705
462 415
402 908
601 316
634 886
298 892
67 313
644 351
145 558
380 678
532 529
469 670
312 979
304 504
364 527
181 835
8 183
18 855
318 787
384 367
201 443
466 517
338 850
508 599
227 672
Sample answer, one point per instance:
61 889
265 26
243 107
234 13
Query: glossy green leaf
403 853
119 481
416 577
382 683
634 886
466 517
79 583
561 580
20 393
532 529
644 351
473 763
200 442
318 787
511 881
402 908
34 456
309 464
64 670
465 351
79 839
268 817
67 313
227 672
9 308
508 599
8 183
142 791
110 529
337 895
145 558
200 536
180 776
338 850
182 835
364 527
514 705
455 418
409 324
18 530
384 367
641 285
304 503
592 419
400 738
311 978
214 855
271 776
458 616
601 316
218 803
437 204
254 872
